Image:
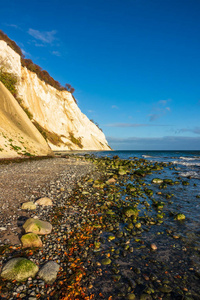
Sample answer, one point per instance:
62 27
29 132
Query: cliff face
18 136
54 112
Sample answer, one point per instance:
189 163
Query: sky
134 64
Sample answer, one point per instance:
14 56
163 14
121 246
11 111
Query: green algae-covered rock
185 183
28 205
37 226
19 269
138 225
149 192
131 297
157 180
168 181
122 172
106 261
111 237
130 211
31 240
165 289
179 217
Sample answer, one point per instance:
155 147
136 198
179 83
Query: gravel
29 181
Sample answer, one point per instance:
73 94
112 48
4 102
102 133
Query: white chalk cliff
56 112
18 136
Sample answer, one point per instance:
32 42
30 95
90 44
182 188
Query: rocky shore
110 236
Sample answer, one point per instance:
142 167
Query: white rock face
9 59
18 136
56 111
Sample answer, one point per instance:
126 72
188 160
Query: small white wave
146 156
187 158
196 164
193 174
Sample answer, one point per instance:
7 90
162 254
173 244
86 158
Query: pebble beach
113 233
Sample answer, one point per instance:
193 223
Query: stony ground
110 238
29 180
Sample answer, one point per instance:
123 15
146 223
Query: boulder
31 240
37 226
179 217
49 272
157 180
45 201
28 205
130 211
19 269
111 181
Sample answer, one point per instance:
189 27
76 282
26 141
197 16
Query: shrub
53 138
42 74
76 141
9 80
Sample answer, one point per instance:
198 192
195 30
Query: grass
52 137
76 141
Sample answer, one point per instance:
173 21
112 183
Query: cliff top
42 74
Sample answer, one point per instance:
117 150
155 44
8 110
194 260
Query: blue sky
134 64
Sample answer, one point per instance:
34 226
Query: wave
188 158
193 174
196 164
146 156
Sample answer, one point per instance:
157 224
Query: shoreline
103 251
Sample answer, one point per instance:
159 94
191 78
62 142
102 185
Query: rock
44 202
145 297
130 211
106 261
165 289
157 180
179 217
37 226
49 271
31 240
154 247
138 225
28 205
131 297
111 181
168 181
3 228
122 172
19 269
111 237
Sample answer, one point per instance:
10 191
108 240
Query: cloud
44 36
25 53
114 107
14 26
159 109
56 53
90 111
156 143
164 102
195 130
122 125
153 117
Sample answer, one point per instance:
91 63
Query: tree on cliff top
42 74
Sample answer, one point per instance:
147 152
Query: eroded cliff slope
18 136
53 112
